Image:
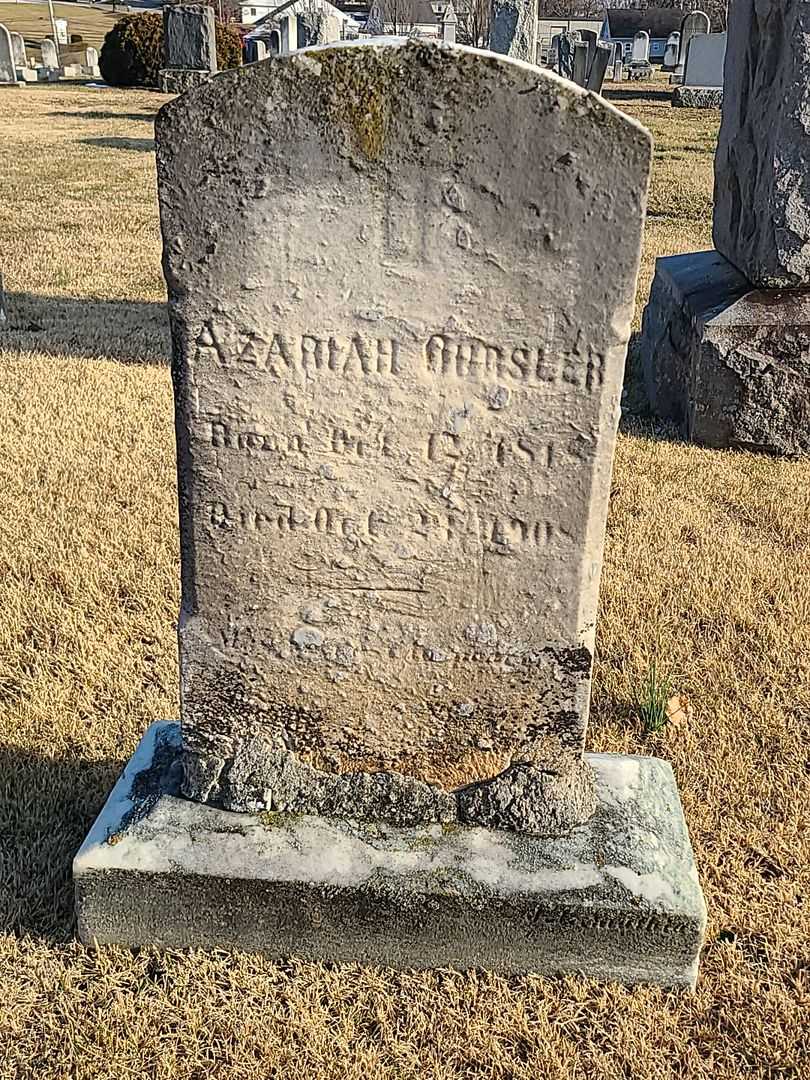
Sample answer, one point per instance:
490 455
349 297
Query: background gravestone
397 360
8 71
671 52
513 29
393 500
189 37
696 22
50 57
18 50
641 46
762 167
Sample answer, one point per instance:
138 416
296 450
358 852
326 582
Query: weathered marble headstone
400 557
50 57
18 50
671 51
641 46
761 189
696 22
91 58
513 29
618 71
8 70
395 421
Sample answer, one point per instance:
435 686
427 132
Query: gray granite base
698 97
727 363
178 80
618 899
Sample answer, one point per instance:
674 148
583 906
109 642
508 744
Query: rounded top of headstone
357 87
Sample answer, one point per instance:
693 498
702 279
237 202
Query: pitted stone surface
727 363
762 167
698 97
398 353
616 899
189 37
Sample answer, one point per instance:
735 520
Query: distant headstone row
17 67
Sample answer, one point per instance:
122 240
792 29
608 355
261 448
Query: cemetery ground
706 572
33 21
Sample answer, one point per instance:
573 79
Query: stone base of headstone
178 80
618 899
698 97
724 361
26 74
676 78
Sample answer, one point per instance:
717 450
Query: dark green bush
132 53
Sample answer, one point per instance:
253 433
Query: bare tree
473 23
398 17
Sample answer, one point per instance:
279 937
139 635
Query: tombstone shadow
120 142
636 417
130 331
103 114
643 91
46 809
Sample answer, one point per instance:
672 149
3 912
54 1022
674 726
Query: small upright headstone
513 29
50 56
189 46
18 50
91 57
641 46
696 22
288 26
671 51
565 55
255 51
580 72
449 25
8 69
618 71
599 66
395 422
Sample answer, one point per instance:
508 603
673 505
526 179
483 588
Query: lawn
33 21
706 569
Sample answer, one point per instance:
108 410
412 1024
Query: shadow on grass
130 331
46 810
636 418
101 114
115 142
643 92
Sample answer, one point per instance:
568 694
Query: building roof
658 22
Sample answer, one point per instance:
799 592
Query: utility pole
53 29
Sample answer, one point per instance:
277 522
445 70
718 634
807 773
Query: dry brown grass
707 566
33 21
